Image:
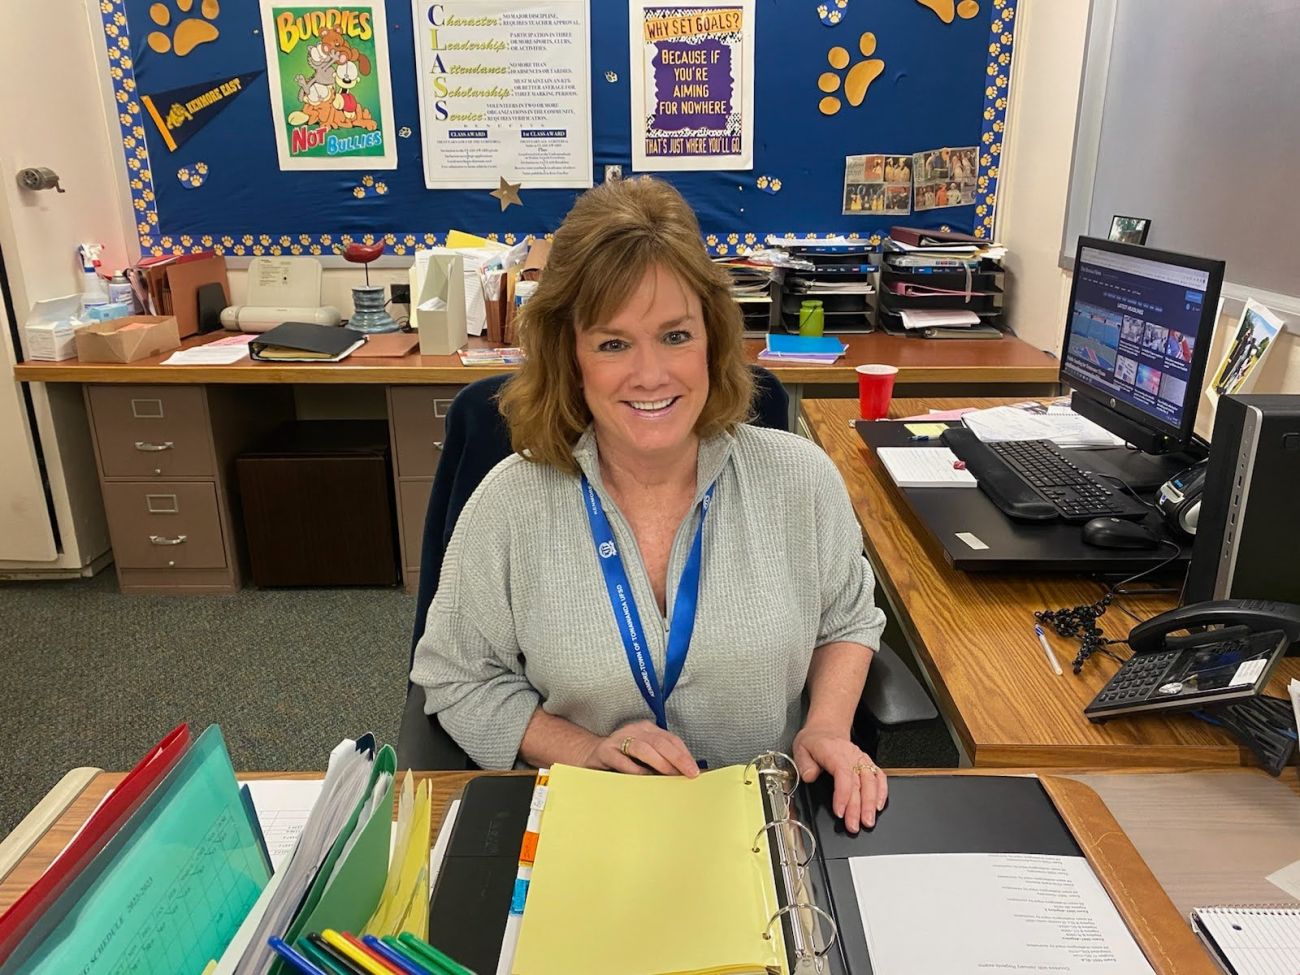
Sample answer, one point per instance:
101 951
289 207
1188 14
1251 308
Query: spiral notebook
1252 940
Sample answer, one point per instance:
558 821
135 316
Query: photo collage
1149 362
877 184
896 184
945 177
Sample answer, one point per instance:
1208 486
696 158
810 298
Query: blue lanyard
623 603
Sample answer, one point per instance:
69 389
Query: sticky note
925 429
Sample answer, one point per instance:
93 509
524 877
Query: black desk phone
1231 663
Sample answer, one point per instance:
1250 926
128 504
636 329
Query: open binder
816 917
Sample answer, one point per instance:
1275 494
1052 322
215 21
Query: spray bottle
94 290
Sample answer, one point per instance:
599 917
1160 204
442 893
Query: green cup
812 318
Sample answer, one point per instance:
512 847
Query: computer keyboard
1033 480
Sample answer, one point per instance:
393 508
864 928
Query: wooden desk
225 409
973 634
1167 812
949 362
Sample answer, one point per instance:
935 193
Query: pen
918 438
354 955
392 956
376 956
321 954
1047 651
428 953
294 960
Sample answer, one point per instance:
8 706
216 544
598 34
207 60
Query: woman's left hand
860 786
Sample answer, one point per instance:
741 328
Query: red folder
103 823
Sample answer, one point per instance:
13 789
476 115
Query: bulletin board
939 76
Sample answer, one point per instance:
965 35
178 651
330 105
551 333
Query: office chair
475 441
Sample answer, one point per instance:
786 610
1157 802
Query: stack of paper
404 904
923 467
814 350
1065 429
647 875
338 868
914 318
222 352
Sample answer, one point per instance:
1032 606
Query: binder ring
775 770
812 846
835 928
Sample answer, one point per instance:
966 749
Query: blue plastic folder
168 891
804 344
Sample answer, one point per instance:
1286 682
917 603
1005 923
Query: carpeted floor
93 677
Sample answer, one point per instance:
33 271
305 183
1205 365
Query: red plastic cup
875 387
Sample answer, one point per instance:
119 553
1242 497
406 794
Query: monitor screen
1139 329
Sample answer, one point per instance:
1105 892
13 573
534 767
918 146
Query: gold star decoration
507 193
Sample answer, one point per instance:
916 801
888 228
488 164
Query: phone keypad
1137 680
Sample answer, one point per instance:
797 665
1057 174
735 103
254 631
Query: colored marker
295 961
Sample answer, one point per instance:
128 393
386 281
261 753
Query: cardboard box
538 251
128 339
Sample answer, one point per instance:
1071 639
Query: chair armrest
893 695
422 744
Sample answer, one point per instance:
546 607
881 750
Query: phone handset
1243 615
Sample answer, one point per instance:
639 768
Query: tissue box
51 325
128 339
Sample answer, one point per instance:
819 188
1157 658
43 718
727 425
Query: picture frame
1129 230
1253 339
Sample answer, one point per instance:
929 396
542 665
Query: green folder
346 903
169 890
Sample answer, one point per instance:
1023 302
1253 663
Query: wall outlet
400 294
612 173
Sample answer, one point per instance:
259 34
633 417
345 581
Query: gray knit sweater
522 617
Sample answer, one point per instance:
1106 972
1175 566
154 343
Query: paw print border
155 241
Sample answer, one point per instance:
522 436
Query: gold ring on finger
864 767
627 743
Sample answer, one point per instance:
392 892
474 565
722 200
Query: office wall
57 117
1036 153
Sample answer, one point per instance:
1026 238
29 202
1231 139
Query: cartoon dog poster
331 96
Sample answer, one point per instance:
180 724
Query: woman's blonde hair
614 234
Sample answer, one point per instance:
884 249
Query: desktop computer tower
1248 533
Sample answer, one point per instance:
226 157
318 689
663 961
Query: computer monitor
1137 338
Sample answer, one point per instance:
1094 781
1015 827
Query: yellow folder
651 875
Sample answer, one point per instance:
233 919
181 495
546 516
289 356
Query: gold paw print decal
858 79
189 33
947 8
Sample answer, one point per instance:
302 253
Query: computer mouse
1118 533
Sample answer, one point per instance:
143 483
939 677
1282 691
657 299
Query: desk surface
1008 360
974 633
1164 814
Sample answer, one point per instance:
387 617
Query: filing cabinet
165 458
417 418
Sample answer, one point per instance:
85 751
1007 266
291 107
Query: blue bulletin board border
155 240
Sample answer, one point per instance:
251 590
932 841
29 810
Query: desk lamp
369 314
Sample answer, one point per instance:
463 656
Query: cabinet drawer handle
164 540
153 448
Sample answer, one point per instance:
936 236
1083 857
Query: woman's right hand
653 748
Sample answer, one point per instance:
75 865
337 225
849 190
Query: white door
25 531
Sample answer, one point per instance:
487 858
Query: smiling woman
642 513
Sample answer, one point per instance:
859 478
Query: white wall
1036 156
62 116
1036 152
